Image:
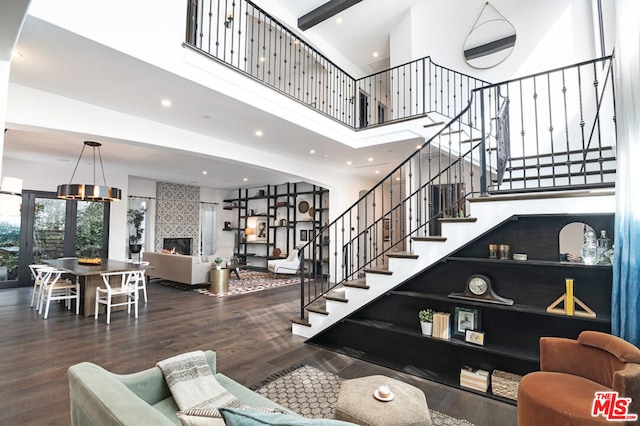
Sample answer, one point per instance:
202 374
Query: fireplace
177 245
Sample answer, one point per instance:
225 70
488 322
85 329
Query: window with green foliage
9 243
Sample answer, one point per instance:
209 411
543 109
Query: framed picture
474 336
385 229
303 235
465 319
261 230
310 234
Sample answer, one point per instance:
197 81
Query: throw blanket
192 383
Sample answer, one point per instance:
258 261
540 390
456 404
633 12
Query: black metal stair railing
561 126
241 35
465 158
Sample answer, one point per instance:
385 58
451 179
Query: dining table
89 277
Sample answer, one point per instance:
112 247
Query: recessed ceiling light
398 178
204 172
349 163
245 179
262 59
259 133
370 159
313 151
339 20
165 103
377 172
418 146
376 54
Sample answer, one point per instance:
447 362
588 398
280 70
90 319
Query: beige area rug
313 393
252 281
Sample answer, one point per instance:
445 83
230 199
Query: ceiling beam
326 11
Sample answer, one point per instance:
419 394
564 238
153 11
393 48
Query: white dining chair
125 285
143 282
56 288
36 272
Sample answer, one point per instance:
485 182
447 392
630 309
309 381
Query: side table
219 280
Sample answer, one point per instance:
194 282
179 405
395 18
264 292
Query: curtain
625 312
207 228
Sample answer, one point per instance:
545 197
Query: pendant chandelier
89 192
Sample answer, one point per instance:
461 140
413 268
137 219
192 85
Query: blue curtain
625 310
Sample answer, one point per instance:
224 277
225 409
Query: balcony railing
246 38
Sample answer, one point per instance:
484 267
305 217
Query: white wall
550 34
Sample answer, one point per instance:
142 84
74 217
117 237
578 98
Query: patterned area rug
250 282
313 393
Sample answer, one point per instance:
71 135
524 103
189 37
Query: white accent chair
125 284
54 288
290 265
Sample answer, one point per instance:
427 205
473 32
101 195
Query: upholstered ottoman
357 404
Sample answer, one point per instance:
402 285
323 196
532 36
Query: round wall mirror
490 41
571 240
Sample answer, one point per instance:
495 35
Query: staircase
392 233
402 266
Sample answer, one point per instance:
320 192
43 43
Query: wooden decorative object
569 301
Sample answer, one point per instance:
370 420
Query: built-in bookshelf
270 221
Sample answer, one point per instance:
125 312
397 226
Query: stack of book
474 378
441 325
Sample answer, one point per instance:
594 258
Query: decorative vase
427 328
589 249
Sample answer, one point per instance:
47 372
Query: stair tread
437 123
457 219
317 310
541 195
335 298
358 283
378 270
301 321
403 255
438 239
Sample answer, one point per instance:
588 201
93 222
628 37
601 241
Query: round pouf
356 403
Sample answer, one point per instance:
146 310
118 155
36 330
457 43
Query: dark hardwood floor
251 335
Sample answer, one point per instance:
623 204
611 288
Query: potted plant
218 261
426 321
135 218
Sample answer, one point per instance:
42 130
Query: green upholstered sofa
99 397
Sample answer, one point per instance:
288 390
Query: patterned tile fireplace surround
177 214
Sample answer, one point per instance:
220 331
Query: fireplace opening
177 245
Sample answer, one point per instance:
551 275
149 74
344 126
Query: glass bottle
589 248
603 245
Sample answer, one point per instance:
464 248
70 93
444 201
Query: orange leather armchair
572 371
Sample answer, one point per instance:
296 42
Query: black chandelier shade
89 192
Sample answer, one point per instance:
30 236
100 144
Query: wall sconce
229 20
10 196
